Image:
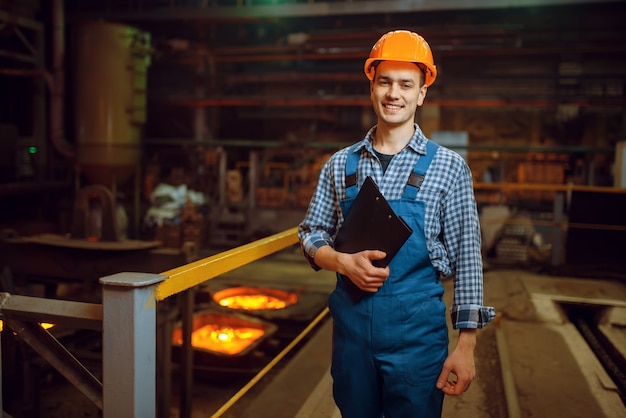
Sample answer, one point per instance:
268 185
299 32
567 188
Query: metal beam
192 274
17 56
61 312
338 100
257 143
21 21
313 9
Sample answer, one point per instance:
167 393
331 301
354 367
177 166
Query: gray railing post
129 345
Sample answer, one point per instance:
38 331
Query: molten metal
251 298
229 334
223 339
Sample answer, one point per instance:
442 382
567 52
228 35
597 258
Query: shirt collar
417 143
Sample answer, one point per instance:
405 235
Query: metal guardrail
23 314
186 277
128 318
192 274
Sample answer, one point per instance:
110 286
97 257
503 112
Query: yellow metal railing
189 275
195 273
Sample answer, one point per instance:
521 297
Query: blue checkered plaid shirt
451 226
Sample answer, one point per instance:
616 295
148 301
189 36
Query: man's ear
422 95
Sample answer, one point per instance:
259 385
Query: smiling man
390 348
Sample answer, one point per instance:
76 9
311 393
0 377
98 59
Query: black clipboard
371 224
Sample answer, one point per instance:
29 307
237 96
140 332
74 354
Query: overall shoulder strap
351 166
416 178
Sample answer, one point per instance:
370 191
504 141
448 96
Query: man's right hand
358 266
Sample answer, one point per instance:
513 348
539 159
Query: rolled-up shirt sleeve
471 316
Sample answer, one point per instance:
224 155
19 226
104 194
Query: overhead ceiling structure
246 60
221 10
545 43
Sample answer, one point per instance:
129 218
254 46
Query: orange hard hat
402 45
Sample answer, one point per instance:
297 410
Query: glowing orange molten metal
223 339
250 298
230 334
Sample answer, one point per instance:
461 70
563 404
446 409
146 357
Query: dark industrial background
242 102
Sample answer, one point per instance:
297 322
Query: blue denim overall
389 348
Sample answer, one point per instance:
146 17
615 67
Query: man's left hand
460 363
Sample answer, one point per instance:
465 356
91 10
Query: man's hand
459 363
358 267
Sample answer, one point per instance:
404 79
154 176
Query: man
390 349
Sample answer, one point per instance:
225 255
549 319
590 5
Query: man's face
396 92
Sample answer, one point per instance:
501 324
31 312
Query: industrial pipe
57 131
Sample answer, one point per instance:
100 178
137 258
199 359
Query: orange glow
249 298
44 325
253 302
223 339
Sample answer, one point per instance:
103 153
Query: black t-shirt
385 159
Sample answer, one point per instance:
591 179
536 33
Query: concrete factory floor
555 374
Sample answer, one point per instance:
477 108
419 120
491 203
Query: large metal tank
110 100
